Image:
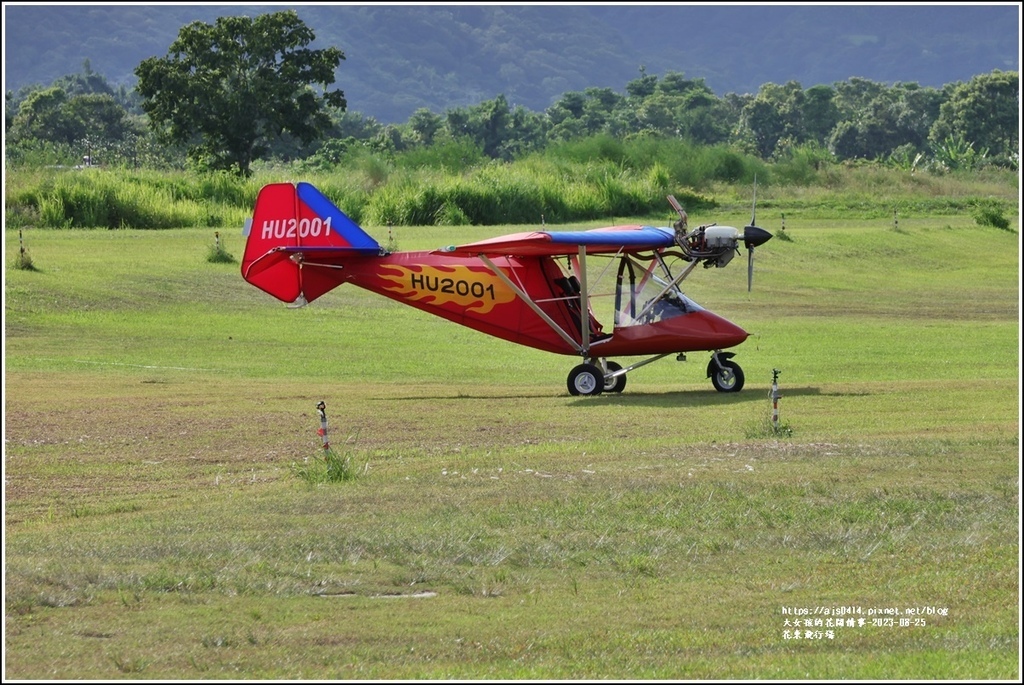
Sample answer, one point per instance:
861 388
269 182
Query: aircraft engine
721 241
716 245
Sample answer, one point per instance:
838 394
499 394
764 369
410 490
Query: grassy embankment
159 411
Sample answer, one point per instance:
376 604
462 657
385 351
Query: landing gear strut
726 375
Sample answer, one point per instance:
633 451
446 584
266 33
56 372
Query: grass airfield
160 412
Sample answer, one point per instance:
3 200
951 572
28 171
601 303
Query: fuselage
464 290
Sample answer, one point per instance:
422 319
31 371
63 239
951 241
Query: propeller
752 237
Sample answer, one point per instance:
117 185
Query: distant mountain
403 57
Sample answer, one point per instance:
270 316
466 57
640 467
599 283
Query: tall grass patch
450 156
502 193
329 466
96 198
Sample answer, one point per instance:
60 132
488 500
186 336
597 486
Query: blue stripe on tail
340 222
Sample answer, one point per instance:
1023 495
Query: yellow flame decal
477 291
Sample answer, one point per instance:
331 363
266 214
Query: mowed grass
158 411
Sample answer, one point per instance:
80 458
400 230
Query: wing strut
584 302
583 350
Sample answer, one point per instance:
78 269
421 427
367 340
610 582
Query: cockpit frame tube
674 283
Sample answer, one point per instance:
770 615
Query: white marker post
321 408
775 399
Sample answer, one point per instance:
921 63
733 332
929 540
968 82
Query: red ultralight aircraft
528 288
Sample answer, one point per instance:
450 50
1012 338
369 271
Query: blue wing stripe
645 235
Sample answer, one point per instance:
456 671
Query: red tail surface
292 224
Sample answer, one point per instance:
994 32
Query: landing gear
586 379
597 375
616 384
727 376
592 379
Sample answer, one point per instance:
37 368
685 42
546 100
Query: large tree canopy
51 115
225 90
985 112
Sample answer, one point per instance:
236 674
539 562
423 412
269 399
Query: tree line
244 91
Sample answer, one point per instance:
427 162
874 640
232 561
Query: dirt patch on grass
75 435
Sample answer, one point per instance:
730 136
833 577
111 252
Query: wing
554 243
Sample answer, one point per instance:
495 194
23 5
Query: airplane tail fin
296 226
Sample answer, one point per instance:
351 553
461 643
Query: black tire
585 379
617 384
728 377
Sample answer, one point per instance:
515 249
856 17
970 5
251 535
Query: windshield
645 294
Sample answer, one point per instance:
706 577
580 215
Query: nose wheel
726 376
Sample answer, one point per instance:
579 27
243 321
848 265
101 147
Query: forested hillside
402 58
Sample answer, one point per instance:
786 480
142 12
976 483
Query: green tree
656 114
854 95
41 116
957 153
492 120
227 89
99 117
603 99
762 123
356 125
569 106
457 125
819 113
773 120
425 125
91 122
84 83
675 83
580 114
893 118
529 131
984 112
500 131
642 86
707 124
846 141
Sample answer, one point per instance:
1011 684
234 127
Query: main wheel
617 384
728 377
586 379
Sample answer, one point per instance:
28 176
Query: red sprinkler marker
321 408
775 399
